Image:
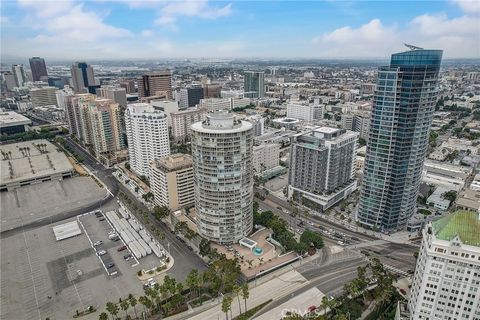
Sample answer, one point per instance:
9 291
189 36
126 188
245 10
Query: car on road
340 243
97 243
110 265
121 248
101 252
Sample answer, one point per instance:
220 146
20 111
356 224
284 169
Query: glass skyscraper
402 113
254 84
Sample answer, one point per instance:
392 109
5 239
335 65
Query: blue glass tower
402 113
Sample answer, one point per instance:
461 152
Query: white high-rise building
265 156
446 283
222 163
147 135
306 112
258 123
182 122
20 75
43 96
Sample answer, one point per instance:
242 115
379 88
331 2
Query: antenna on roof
409 46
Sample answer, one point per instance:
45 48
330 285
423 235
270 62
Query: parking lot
42 277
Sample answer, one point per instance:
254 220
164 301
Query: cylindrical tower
222 163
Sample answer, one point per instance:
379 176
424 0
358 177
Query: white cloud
4 19
191 8
147 33
468 6
458 37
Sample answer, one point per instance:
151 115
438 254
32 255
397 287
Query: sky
148 29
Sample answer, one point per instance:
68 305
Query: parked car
129 258
110 265
115 238
129 255
97 243
101 219
112 236
98 214
121 248
311 308
101 252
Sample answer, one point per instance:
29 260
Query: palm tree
245 294
226 305
103 316
112 309
133 302
125 305
144 301
325 304
192 281
236 289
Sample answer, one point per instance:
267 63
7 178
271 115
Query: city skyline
195 29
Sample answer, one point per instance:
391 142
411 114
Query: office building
147 136
254 84
446 281
322 167
403 106
347 121
83 78
155 83
128 85
43 96
12 122
73 112
119 95
171 181
305 112
38 67
182 122
212 90
9 81
361 124
258 123
265 156
222 162
190 97
19 74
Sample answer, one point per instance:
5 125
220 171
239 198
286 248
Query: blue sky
105 29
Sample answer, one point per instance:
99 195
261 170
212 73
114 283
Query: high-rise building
254 84
361 124
322 167
182 122
171 180
258 123
117 94
74 114
147 136
446 281
43 96
212 90
62 97
155 83
265 156
83 78
8 80
20 75
306 112
38 67
128 85
190 97
403 106
222 163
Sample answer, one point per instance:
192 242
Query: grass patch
250 313
425 212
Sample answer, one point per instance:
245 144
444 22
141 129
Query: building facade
254 84
19 73
182 122
117 94
171 180
446 281
43 96
147 136
155 83
258 123
403 106
222 163
265 156
305 112
38 67
190 97
83 78
322 167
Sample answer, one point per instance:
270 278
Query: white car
97 243
101 252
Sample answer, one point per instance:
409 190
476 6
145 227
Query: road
185 259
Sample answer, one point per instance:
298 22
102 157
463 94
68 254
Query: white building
182 122
147 135
306 112
44 96
258 123
445 174
265 156
167 106
437 200
446 282
212 104
222 162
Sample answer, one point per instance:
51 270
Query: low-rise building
445 174
12 122
171 181
437 200
43 96
468 199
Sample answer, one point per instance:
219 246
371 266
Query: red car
122 248
311 308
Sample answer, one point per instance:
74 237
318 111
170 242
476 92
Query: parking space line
91 244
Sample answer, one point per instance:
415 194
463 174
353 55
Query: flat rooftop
11 118
31 160
174 162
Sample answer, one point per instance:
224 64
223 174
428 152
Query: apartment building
182 122
265 156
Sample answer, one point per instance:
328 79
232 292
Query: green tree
236 290
103 316
204 247
245 294
144 301
192 281
226 305
161 212
112 308
450 195
309 237
125 305
133 302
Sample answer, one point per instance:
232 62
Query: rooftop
174 162
464 224
31 160
11 118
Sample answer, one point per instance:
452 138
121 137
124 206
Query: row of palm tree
113 309
238 290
